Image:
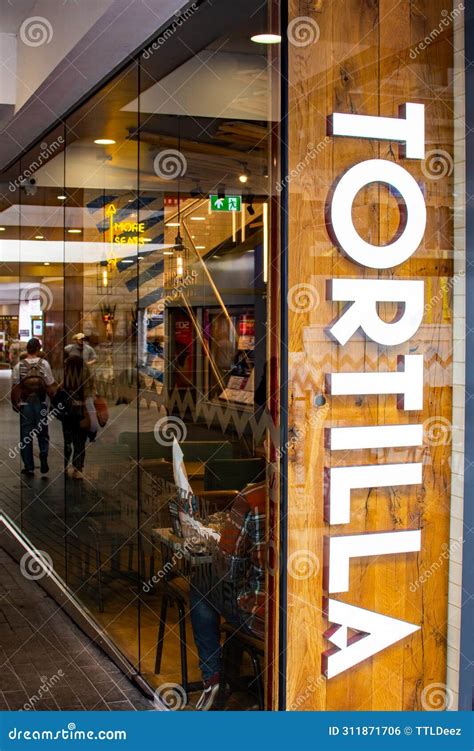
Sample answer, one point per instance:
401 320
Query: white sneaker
208 697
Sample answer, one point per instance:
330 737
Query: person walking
75 401
81 348
32 383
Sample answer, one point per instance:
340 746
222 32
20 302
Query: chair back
226 475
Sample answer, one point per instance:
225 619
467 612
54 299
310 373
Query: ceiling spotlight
104 141
39 237
167 252
198 218
74 231
200 247
62 198
46 263
266 38
173 224
250 207
147 240
2 229
244 176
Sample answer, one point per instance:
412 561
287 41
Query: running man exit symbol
227 203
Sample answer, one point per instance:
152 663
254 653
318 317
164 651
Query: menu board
246 340
240 389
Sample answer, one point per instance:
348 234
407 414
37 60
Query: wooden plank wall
363 62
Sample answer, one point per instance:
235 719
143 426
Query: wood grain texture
364 62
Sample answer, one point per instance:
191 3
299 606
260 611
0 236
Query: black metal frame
282 626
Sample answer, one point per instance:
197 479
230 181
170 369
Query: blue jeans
33 422
206 610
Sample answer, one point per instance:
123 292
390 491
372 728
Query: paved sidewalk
46 662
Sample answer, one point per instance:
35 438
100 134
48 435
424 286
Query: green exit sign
227 203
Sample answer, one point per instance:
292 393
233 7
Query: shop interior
148 227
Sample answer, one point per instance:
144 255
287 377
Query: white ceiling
212 84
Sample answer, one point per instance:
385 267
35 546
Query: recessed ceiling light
74 231
104 141
46 263
198 218
200 247
62 198
39 237
147 240
167 252
127 260
266 38
2 229
140 258
243 178
173 224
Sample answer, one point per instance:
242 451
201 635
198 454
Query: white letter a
382 631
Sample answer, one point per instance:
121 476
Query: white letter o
349 240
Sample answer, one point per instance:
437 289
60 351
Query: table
169 541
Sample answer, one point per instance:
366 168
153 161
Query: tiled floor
46 662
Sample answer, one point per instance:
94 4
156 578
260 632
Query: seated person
237 589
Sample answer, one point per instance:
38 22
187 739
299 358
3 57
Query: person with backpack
32 383
75 401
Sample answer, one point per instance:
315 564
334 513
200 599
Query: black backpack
32 383
66 405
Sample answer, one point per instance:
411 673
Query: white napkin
179 470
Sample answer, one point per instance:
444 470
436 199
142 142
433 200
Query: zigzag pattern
228 418
307 372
